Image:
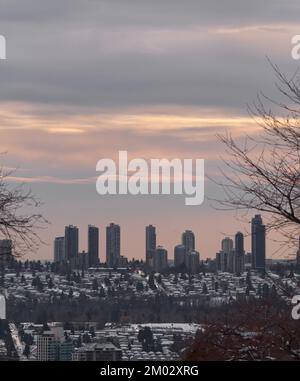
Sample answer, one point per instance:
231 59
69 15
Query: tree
17 223
248 330
265 169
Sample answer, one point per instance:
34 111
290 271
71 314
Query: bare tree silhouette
17 222
263 172
254 329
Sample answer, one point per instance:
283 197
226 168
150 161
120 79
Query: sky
159 79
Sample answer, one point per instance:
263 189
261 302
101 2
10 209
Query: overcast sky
85 79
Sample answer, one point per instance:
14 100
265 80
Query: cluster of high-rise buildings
185 255
232 257
186 258
156 256
66 248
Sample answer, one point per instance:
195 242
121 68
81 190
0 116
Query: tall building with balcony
53 346
47 347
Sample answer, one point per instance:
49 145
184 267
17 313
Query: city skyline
148 81
231 255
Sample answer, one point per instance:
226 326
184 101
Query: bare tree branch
17 223
263 173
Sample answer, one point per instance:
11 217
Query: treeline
120 310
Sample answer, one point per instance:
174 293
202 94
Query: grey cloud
149 13
126 53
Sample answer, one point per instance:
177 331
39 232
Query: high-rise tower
71 244
258 242
93 245
113 245
150 244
